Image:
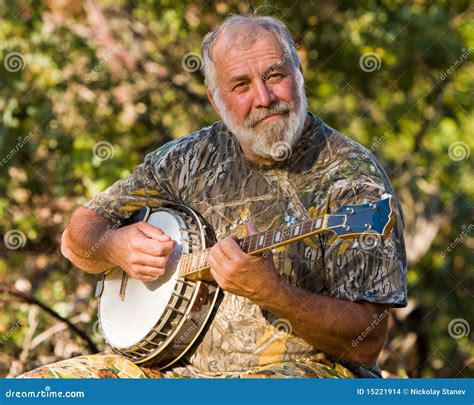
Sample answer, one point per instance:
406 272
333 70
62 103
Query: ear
210 96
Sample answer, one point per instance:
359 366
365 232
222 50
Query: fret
188 263
256 236
243 244
286 233
197 264
261 240
296 231
277 237
255 241
183 263
204 258
248 244
318 223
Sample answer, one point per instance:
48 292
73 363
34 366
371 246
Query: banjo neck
194 266
348 222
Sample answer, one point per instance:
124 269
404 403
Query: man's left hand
237 272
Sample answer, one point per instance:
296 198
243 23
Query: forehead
232 57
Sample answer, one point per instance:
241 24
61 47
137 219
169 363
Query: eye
239 86
274 76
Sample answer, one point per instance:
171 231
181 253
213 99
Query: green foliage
74 88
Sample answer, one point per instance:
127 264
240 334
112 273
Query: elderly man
269 161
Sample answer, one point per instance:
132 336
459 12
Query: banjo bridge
123 286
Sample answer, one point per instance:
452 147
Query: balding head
242 32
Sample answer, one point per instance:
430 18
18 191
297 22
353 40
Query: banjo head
155 323
129 309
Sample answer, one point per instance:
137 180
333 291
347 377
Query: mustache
281 107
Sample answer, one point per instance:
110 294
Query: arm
354 331
94 245
80 242
329 324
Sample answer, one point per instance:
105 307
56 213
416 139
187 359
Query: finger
230 247
151 261
155 248
153 232
217 257
217 276
216 260
146 278
251 228
147 271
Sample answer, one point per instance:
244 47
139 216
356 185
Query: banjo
155 323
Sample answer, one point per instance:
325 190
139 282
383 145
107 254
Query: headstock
353 220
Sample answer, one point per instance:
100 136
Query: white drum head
125 323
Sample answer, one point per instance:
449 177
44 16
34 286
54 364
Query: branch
32 300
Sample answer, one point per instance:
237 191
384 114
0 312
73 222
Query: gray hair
228 29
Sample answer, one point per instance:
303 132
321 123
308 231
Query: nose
263 96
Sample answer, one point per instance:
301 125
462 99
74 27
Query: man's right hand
140 249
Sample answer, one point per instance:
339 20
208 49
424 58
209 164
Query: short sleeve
150 184
366 268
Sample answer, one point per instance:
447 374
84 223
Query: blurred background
87 88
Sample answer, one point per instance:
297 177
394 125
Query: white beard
276 138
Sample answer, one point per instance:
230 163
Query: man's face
260 96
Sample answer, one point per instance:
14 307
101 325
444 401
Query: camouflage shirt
208 172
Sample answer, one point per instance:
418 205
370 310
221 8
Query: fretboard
257 243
